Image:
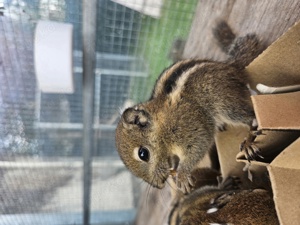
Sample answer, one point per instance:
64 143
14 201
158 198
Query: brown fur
245 207
223 204
191 100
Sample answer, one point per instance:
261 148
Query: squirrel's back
218 88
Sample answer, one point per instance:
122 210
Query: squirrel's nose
173 162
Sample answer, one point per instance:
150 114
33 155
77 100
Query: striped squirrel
191 101
224 204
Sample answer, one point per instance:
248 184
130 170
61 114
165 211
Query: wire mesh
41 133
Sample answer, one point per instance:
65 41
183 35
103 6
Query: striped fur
167 80
191 100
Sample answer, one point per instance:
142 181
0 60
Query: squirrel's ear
136 117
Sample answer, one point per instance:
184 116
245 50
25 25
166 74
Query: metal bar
97 217
111 56
89 57
72 126
97 98
115 72
75 163
38 104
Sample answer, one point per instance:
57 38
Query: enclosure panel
41 177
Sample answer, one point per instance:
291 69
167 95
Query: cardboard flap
278 111
279 64
284 174
289 158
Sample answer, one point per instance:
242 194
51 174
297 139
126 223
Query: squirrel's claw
230 183
249 148
184 181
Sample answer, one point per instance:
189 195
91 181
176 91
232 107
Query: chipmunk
191 101
224 204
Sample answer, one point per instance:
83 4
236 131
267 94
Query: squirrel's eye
144 154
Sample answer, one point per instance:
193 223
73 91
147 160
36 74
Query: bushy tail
224 35
244 50
241 50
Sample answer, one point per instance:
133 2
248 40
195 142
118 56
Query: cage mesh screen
41 133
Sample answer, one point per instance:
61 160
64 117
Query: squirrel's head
140 148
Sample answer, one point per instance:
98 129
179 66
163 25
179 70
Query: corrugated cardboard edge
285 178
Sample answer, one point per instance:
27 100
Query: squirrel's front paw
184 181
230 183
249 148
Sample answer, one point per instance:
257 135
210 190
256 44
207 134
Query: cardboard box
278 115
281 113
